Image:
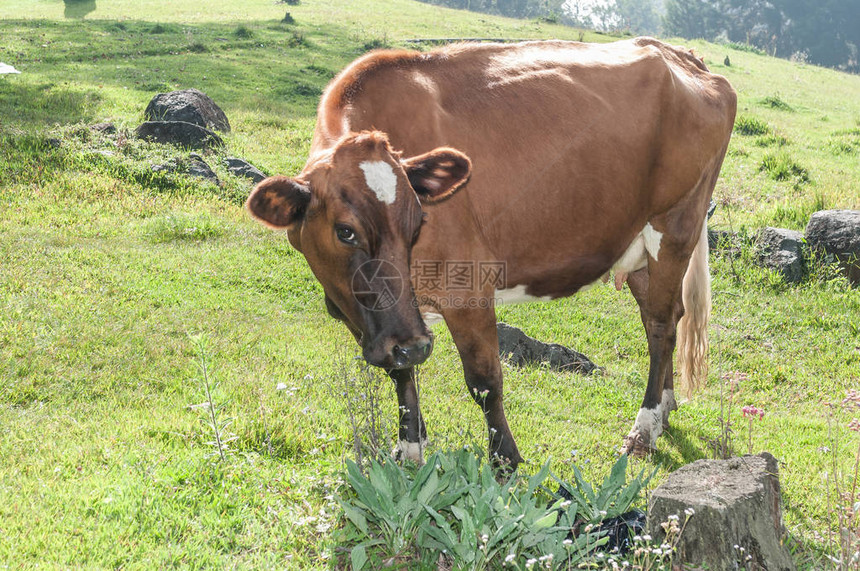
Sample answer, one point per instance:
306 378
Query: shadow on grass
41 104
78 9
689 443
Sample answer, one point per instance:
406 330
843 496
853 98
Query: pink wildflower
753 411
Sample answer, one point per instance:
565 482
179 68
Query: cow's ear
438 174
279 201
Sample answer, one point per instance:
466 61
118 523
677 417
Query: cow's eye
346 235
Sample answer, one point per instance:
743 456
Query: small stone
104 128
199 168
781 250
240 167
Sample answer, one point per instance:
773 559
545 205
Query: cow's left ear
438 174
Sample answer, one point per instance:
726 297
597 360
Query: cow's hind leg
638 282
474 333
659 297
412 434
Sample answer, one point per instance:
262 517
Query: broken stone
239 167
781 250
837 234
199 168
737 517
178 133
190 106
521 350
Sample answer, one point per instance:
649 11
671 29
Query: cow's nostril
401 355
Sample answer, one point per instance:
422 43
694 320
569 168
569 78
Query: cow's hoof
412 451
636 445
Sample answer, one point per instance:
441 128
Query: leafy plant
612 499
453 507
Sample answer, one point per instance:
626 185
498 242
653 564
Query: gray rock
737 502
781 250
178 133
837 233
169 166
239 167
104 128
199 168
721 239
520 349
189 105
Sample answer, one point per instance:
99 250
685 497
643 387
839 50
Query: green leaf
358 557
546 521
538 478
356 516
430 488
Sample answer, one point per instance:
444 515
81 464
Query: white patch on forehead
652 240
381 179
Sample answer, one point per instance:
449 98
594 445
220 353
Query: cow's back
569 141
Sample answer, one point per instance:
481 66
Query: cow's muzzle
393 355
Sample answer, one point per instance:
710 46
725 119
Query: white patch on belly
635 256
652 240
516 294
381 179
431 318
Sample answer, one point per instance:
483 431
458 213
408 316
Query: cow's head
355 213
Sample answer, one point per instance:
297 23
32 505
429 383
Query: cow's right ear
279 201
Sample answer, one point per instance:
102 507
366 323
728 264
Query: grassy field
107 270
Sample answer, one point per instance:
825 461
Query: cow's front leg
474 333
411 434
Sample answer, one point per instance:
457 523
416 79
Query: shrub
845 142
781 166
243 32
454 509
746 125
776 102
746 48
771 141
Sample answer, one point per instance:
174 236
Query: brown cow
492 173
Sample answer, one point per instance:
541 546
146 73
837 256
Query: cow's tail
693 326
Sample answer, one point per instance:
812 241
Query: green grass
106 267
